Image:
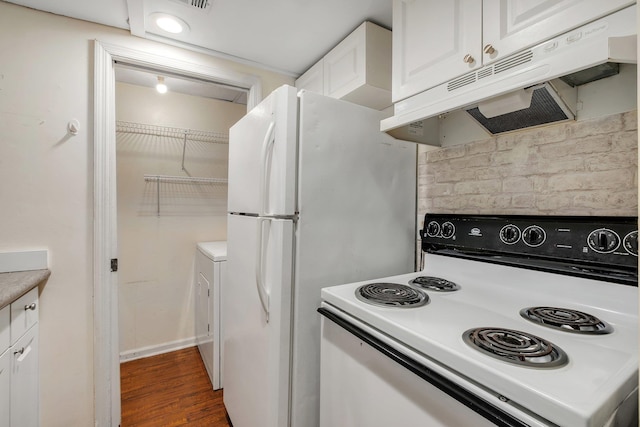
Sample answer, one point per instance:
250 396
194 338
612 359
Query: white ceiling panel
179 84
284 35
107 12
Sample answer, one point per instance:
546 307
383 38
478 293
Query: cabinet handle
489 49
468 59
19 351
31 306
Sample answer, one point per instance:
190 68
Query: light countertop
15 284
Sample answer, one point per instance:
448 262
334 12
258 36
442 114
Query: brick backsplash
576 168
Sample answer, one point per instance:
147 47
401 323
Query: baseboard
155 350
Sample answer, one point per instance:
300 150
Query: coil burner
391 295
566 319
516 347
434 284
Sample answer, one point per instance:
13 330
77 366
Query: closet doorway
171 169
106 290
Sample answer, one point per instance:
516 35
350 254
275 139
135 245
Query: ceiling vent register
203 5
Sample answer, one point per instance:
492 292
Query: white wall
46 182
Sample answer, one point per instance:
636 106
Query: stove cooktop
542 311
492 296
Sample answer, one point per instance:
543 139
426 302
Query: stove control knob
433 228
448 230
630 243
603 240
510 234
534 236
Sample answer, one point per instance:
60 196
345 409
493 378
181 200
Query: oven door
368 379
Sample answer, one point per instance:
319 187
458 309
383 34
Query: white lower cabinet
19 383
5 390
24 380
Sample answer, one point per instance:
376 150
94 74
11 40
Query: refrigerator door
262 157
257 321
357 192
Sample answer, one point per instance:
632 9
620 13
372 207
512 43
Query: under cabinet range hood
533 106
516 88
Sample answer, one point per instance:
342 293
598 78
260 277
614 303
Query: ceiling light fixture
169 23
161 87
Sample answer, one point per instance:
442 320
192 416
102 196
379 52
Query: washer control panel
604 240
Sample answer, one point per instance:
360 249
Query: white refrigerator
318 196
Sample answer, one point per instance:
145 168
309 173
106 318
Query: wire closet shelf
171 132
184 135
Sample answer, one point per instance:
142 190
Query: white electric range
513 321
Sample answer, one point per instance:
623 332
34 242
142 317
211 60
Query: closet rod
171 132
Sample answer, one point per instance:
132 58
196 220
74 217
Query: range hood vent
499 67
545 106
603 43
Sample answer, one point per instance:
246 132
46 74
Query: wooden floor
171 389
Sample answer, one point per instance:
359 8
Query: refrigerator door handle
267 146
262 291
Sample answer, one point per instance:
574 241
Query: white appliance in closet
210 275
317 195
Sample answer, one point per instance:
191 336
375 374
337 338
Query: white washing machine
210 274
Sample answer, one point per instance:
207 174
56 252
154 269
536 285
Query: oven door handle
470 400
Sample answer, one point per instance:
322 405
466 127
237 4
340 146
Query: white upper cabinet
313 79
433 41
358 69
436 41
512 25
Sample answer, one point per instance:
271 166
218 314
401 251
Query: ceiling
181 84
287 36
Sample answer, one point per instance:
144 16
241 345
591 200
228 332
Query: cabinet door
5 388
24 380
312 79
5 328
24 314
434 41
344 65
512 25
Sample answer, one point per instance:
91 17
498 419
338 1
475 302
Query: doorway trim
105 245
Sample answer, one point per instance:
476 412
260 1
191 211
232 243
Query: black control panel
586 246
